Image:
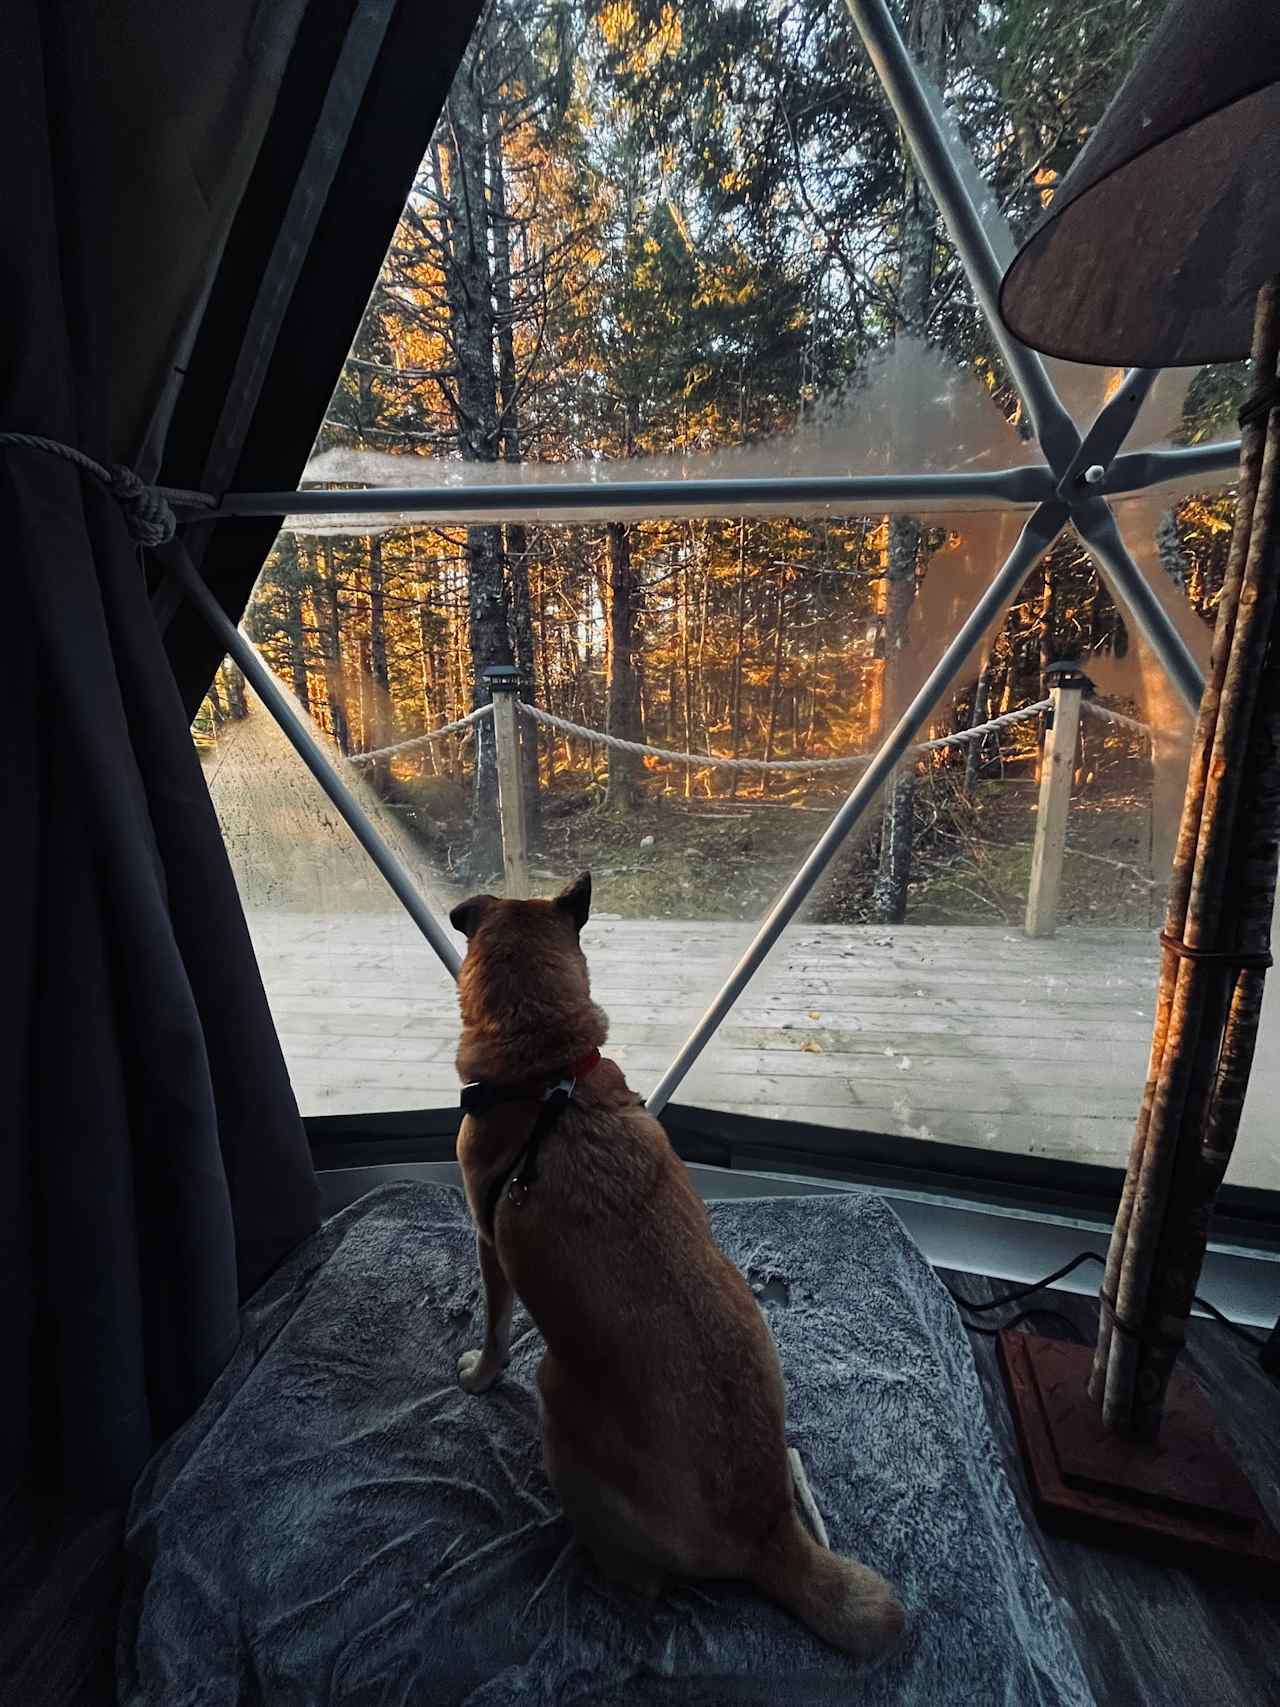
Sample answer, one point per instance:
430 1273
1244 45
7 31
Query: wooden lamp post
1162 248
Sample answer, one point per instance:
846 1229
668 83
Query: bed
340 1523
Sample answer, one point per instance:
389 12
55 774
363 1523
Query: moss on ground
718 859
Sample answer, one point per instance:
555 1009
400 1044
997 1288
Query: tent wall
160 113
389 91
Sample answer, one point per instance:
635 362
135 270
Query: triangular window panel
664 272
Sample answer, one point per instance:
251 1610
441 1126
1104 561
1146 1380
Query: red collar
583 1065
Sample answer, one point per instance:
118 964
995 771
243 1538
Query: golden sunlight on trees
644 230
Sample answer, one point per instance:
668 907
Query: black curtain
153 1166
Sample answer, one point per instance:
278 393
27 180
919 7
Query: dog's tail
847 1604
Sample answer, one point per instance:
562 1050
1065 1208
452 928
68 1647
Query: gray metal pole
1132 591
853 491
904 84
1132 472
1097 527
1139 469
312 755
1107 433
1041 530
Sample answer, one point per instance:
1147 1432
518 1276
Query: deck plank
963 1034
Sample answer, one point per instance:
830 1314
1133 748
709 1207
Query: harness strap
482 1095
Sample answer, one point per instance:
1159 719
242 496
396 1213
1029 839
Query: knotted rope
147 510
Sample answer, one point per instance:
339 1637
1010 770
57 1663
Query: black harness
483 1094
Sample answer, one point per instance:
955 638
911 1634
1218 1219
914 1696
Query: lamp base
1182 1499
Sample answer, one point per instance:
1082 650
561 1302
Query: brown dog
661 1393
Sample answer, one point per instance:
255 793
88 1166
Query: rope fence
1118 717
1056 779
458 728
716 761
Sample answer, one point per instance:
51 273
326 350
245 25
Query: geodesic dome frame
1084 464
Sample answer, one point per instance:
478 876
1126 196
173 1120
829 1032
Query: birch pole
1216 948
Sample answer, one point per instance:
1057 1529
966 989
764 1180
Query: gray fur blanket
340 1523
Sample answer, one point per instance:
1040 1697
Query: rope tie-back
463 724
960 738
1105 711
147 510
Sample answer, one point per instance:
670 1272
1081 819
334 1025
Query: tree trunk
673 671
1174 557
544 653
517 555
237 704
623 714
431 713
927 39
469 290
335 683
379 732
686 696
378 618
490 644
775 684
740 622
361 731
981 712
893 875
297 642
516 535
700 669
1048 641
293 625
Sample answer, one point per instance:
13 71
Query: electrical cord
1255 1340
1022 1315
1032 1286
1019 1292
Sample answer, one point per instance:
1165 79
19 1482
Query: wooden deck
965 1035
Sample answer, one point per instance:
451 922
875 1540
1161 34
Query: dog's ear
576 900
467 915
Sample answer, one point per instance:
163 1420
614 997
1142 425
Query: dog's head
523 957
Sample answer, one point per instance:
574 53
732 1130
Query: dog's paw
477 1373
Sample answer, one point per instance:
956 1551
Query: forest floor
716 858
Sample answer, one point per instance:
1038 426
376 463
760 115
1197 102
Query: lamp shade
1161 234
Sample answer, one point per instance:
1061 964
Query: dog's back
659 1368
662 1397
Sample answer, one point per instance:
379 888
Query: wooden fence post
1057 773
504 684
